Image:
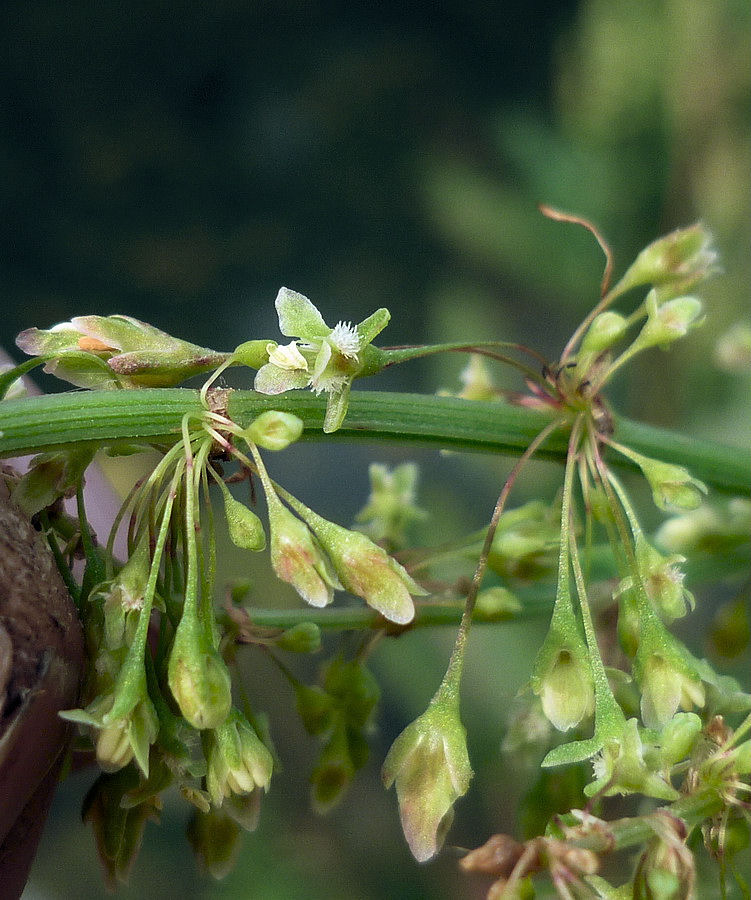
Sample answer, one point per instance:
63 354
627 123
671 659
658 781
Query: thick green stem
36 424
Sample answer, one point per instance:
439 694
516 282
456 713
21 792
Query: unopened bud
305 637
274 430
605 330
668 322
198 677
245 528
684 257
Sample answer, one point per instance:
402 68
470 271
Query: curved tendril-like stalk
396 355
454 670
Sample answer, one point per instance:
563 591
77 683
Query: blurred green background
178 164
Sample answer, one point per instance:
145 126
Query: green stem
154 416
359 618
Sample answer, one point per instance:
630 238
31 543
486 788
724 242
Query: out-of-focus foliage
178 162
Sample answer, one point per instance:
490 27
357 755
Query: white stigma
345 339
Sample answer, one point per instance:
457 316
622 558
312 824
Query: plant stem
153 416
361 618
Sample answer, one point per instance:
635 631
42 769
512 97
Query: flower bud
666 868
707 528
305 637
605 330
683 257
252 354
667 322
526 540
566 691
298 559
430 766
733 348
678 737
667 682
662 581
315 707
198 676
365 569
87 351
335 768
476 380
672 486
274 430
118 828
245 528
237 760
562 674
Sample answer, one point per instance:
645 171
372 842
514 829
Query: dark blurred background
179 164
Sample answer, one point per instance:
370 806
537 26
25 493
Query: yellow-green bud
198 677
245 528
274 430
668 321
605 330
252 354
430 766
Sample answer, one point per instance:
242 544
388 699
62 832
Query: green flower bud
683 257
125 735
526 540
667 322
678 737
118 828
562 674
198 676
667 683
253 354
566 691
733 348
305 637
666 870
476 381
672 486
354 690
237 760
606 329
707 528
315 707
430 766
245 528
274 430
298 559
662 581
50 476
335 768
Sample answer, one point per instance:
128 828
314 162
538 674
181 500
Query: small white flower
322 358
